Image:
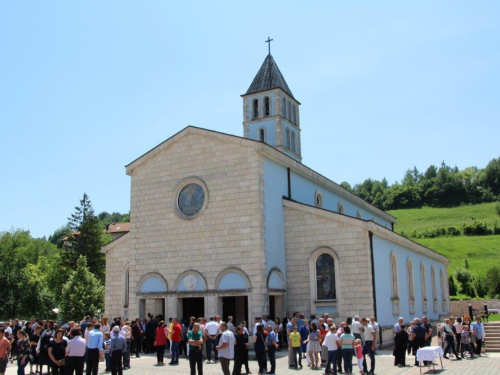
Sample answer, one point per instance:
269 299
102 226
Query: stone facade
163 243
307 231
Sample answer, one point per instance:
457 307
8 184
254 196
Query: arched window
293 141
411 286
126 288
340 208
434 289
443 290
262 134
287 139
267 106
325 278
255 106
283 108
394 278
423 283
294 114
318 199
289 110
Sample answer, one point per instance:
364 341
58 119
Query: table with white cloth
429 353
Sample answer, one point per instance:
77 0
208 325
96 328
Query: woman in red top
161 341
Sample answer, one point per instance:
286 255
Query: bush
493 281
477 228
496 228
481 286
452 231
465 278
452 286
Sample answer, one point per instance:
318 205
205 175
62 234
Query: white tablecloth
429 353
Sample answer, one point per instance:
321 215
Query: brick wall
459 308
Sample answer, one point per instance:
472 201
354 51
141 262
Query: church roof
269 77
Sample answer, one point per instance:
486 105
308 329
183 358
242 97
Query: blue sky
87 86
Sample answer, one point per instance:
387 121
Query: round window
191 199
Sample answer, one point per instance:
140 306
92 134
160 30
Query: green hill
483 252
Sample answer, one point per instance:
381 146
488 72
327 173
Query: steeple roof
269 77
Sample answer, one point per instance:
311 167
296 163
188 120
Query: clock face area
191 199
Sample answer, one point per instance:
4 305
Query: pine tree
86 240
83 294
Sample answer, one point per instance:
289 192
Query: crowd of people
458 336
71 348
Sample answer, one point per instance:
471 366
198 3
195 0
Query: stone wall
229 233
307 230
460 308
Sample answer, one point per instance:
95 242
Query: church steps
492 332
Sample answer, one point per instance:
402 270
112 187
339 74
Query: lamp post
486 311
470 311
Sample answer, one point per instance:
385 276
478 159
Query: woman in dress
314 348
57 352
35 337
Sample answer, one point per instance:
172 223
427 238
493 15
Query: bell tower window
287 140
255 106
289 111
267 108
283 109
293 141
294 114
262 134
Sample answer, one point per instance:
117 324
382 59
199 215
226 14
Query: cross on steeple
269 40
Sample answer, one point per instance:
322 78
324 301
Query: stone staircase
492 331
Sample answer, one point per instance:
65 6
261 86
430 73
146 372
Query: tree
480 286
83 294
60 235
86 239
24 292
491 177
465 278
452 286
493 281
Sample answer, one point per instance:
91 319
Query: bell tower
271 112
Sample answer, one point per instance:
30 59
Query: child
295 341
358 348
107 343
465 341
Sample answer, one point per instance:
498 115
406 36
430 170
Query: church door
193 307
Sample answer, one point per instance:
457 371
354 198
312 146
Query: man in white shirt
369 346
332 342
356 328
211 332
376 328
225 348
257 322
397 326
230 324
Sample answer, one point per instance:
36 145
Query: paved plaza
486 365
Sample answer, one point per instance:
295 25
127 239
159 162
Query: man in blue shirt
94 346
478 332
116 349
271 348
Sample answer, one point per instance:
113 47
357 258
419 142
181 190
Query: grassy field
420 219
483 251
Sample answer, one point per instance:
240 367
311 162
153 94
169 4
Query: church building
229 225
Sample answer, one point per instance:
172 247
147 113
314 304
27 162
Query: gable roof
269 152
368 225
269 77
